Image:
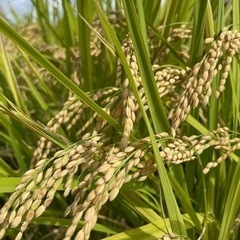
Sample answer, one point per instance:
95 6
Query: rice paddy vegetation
120 120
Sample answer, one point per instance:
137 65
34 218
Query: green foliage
124 113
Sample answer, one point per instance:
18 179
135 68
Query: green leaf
232 205
63 222
7 185
85 10
158 114
6 170
151 231
10 77
60 77
34 126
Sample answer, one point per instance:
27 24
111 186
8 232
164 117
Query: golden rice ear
94 169
198 87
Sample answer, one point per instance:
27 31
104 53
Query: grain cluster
93 170
198 87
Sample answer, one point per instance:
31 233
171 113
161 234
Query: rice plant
120 120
